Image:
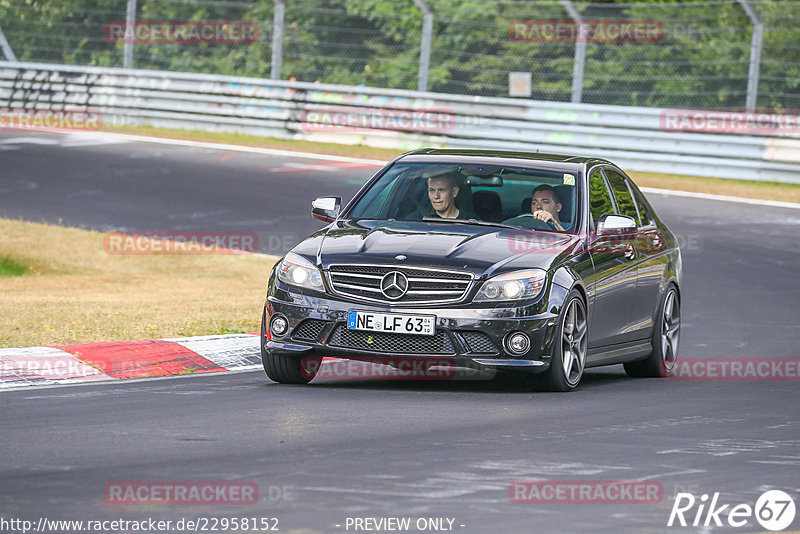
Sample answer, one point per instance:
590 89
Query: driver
442 192
545 206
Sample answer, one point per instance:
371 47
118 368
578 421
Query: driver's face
543 200
441 194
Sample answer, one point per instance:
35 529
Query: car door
614 280
648 268
652 264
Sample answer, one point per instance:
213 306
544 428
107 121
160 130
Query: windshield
524 197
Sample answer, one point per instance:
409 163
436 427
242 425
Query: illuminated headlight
298 271
517 285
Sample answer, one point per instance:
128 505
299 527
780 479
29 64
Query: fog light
518 343
279 325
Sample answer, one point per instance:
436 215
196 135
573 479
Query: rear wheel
666 333
285 368
569 351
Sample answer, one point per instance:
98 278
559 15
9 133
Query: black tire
286 368
571 334
666 334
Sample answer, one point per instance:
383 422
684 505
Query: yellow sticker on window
569 179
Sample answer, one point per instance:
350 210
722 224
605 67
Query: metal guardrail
633 137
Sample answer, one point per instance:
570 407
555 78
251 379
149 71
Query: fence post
755 55
6 47
580 51
424 45
130 34
277 38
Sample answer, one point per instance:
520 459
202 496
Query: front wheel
569 350
666 332
286 368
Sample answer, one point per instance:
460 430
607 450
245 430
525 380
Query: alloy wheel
670 330
573 342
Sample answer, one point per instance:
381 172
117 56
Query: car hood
478 249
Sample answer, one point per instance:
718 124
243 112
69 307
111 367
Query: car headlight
517 285
298 271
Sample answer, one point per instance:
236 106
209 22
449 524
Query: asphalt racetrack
339 450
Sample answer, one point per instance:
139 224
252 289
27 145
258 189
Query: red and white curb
150 358
119 360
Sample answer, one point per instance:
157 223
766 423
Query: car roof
500 157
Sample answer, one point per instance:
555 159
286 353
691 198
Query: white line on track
28 141
313 155
122 382
243 148
722 198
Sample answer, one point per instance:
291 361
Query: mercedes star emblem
394 285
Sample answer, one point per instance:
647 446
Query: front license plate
396 323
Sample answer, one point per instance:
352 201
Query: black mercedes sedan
510 261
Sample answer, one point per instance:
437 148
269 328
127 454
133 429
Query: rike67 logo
774 510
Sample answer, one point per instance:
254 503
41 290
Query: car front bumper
472 337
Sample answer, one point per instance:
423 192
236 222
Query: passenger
443 192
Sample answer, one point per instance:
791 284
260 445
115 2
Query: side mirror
611 223
326 209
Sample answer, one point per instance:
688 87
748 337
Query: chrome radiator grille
423 284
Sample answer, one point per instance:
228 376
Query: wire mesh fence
702 55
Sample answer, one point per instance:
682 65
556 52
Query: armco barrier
633 137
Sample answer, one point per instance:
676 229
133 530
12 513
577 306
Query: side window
409 196
625 202
374 204
380 199
641 205
599 197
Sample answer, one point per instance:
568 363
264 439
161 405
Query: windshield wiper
472 221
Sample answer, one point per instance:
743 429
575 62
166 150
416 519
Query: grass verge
72 291
697 184
9 267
